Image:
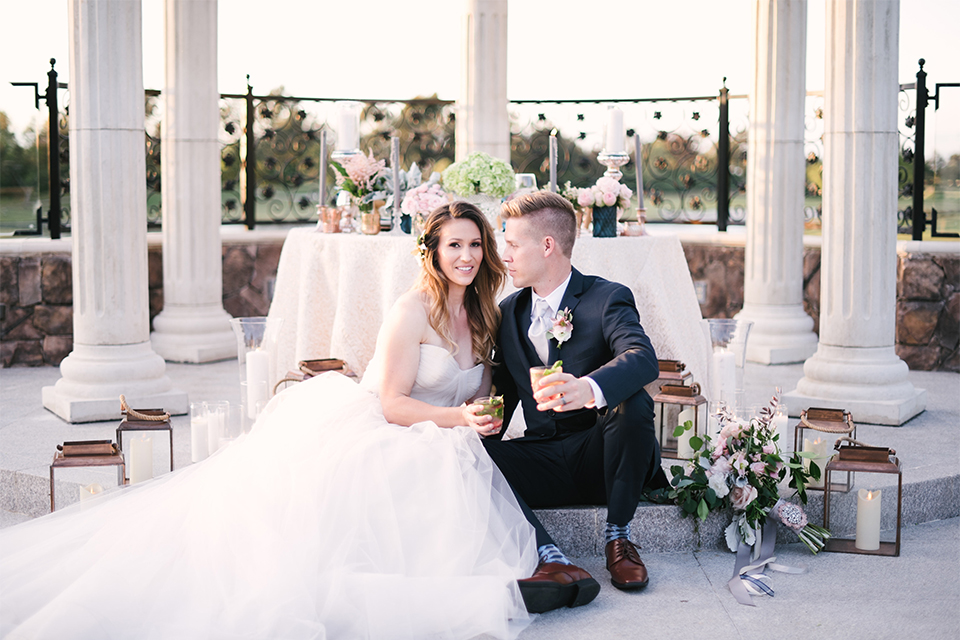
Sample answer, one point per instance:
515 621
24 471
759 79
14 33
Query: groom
589 437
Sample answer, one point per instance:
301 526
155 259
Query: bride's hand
484 425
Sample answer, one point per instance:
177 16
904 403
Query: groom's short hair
550 214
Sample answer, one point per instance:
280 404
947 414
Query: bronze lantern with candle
670 406
825 423
857 518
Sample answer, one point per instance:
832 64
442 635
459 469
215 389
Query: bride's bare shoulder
409 313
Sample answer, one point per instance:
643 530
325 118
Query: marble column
193 327
482 121
855 366
773 269
111 315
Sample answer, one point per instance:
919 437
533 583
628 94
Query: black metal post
919 217
53 151
723 161
250 165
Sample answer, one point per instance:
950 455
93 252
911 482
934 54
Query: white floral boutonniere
562 326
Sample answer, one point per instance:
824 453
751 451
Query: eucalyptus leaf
702 509
696 442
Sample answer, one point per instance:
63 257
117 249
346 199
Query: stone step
578 531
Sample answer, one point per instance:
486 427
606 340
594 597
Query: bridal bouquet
606 193
480 173
742 470
363 177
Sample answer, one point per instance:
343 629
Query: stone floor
842 596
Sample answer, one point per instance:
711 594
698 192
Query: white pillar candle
724 376
684 448
639 161
140 464
614 142
258 380
348 135
395 170
199 448
87 492
780 426
868 520
819 447
214 429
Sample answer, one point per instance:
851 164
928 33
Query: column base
94 377
871 383
781 334
194 334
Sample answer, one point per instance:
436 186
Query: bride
349 511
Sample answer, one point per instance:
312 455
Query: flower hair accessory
562 326
421 250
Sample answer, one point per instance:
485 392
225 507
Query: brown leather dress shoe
554 585
626 568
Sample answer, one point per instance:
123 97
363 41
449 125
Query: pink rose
721 467
741 497
597 196
769 448
609 199
625 192
757 467
585 198
608 185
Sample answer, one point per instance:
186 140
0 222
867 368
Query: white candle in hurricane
614 139
199 444
868 520
348 135
395 169
140 464
819 447
258 380
724 375
684 448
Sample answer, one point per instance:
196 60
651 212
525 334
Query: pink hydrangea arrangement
423 199
742 470
607 192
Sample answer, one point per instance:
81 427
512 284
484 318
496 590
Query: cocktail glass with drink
537 373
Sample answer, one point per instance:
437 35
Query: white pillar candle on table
553 161
724 375
348 135
614 142
140 464
639 161
868 520
199 447
684 448
258 380
87 492
819 447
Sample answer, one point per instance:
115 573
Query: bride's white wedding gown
324 522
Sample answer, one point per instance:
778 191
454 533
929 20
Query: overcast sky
396 49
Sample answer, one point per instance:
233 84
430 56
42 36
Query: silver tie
539 327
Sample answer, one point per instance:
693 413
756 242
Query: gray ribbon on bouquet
752 572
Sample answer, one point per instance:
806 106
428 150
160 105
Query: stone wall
36 291
37 322
928 311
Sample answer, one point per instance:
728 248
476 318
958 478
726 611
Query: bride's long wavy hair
480 299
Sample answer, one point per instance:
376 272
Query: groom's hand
563 392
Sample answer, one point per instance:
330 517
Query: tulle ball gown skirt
324 522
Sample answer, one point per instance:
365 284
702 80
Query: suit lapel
522 322
571 298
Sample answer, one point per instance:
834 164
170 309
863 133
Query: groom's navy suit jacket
607 343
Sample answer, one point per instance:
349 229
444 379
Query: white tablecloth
333 291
